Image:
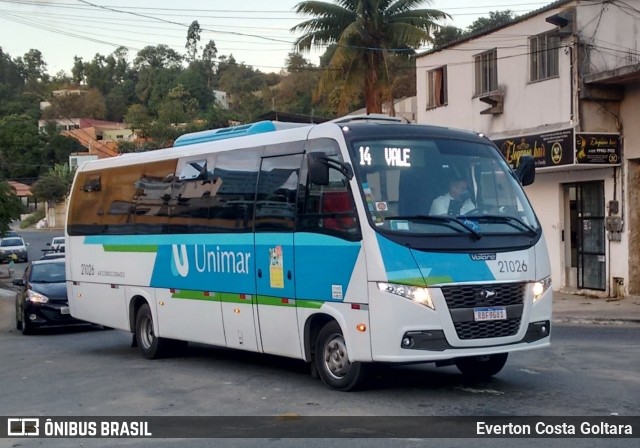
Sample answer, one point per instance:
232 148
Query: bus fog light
406 342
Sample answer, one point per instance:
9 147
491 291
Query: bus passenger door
274 225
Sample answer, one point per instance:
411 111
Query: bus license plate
490 313
65 310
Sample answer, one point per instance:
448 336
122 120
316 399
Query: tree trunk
372 95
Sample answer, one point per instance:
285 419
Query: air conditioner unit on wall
565 20
495 100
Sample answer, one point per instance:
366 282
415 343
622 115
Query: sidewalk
567 307
574 308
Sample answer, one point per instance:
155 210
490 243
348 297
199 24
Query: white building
562 84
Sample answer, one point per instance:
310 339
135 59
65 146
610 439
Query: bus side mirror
526 171
319 165
318 169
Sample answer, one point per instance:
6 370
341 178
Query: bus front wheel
150 345
481 367
332 360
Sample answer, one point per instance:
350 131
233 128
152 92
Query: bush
32 219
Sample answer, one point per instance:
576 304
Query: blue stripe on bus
404 265
323 262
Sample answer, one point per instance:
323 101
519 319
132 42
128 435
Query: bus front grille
471 296
487 329
462 299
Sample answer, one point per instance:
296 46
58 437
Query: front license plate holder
489 313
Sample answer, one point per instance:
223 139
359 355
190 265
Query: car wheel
27 327
481 367
18 321
332 360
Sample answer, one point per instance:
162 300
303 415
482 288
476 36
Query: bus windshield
440 186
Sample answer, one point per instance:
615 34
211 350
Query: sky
255 32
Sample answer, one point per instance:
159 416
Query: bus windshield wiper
439 218
510 220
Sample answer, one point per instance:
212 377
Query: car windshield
440 186
9 242
48 273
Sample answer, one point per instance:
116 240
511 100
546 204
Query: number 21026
512 266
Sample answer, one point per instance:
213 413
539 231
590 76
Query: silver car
13 245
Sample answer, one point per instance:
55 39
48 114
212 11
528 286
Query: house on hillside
23 191
562 84
100 137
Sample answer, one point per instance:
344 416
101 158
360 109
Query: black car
42 297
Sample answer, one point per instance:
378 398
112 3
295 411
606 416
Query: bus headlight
539 288
33 296
415 293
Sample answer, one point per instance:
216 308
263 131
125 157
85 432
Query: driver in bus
454 202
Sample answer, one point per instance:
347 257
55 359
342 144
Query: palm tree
366 33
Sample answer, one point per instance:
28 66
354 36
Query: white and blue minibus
317 242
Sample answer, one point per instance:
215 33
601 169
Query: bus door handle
259 273
289 275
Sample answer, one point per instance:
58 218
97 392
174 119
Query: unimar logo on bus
206 259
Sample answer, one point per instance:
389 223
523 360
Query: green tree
209 55
20 147
446 34
10 206
366 33
77 71
13 101
294 93
119 99
57 148
160 56
55 184
496 18
193 37
195 81
34 71
178 107
138 119
88 104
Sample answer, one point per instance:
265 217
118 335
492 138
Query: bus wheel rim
146 332
336 359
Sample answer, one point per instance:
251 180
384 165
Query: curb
595 321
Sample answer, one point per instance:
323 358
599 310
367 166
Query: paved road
89 371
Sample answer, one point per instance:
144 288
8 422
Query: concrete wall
612 32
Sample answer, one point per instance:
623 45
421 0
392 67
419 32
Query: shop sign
598 149
548 149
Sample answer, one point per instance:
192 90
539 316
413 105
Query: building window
543 50
486 71
437 87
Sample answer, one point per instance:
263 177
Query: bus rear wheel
151 346
481 367
332 360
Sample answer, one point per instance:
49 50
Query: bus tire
332 360
150 345
481 367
